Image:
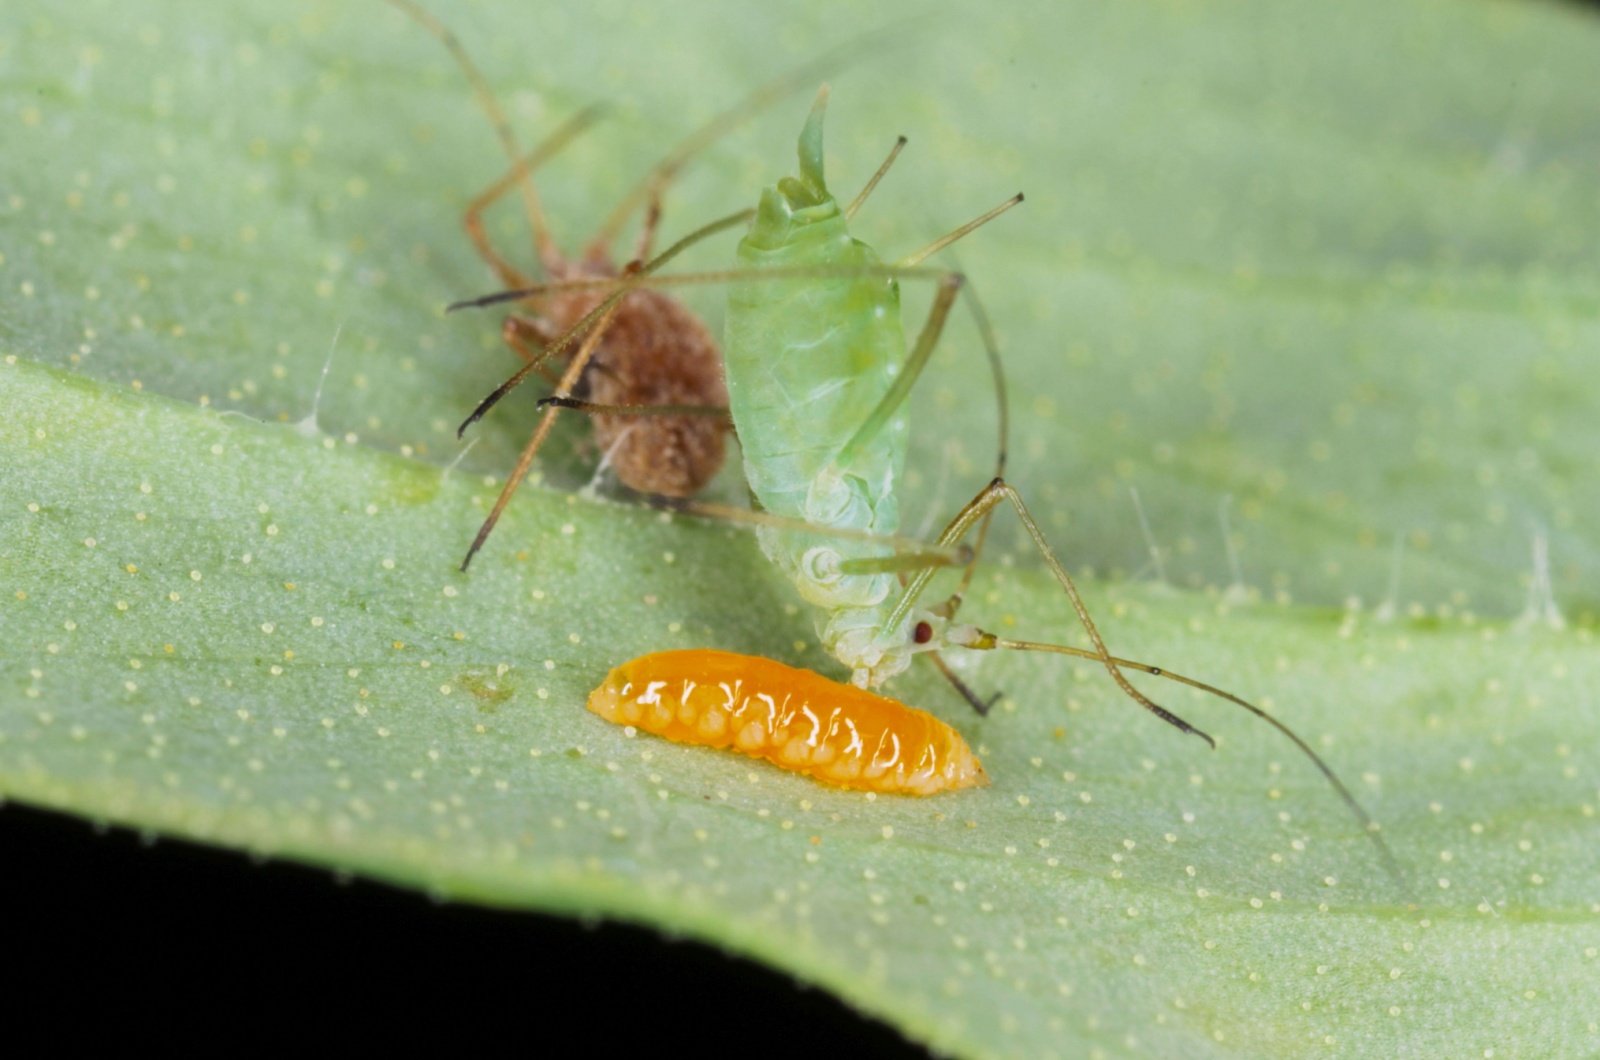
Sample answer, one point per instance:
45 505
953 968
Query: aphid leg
992 495
593 409
620 287
568 380
998 492
1367 823
910 554
655 182
549 253
592 327
472 217
977 702
991 347
950 285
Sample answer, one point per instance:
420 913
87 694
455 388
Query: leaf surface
1318 262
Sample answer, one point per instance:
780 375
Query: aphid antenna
549 253
871 43
654 281
975 513
943 241
649 277
1368 825
910 553
861 199
591 321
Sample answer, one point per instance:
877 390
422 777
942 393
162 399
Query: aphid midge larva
795 719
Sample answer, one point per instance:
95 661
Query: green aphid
818 376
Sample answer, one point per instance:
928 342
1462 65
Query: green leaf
1336 263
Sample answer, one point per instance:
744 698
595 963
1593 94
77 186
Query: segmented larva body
795 719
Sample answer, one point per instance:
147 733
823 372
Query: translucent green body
808 359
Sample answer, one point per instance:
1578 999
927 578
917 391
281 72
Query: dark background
168 941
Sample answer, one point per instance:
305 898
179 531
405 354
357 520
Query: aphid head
795 204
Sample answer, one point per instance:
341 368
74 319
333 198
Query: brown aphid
648 370
653 353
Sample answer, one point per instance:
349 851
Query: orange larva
795 719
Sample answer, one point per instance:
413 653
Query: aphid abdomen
654 352
658 353
793 718
808 360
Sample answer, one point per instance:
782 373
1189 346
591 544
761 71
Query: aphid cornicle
801 721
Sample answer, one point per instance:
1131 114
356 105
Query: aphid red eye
923 633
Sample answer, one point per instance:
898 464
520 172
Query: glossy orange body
795 719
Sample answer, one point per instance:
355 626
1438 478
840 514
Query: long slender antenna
860 200
548 251
784 84
594 316
1367 823
691 279
945 240
569 379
